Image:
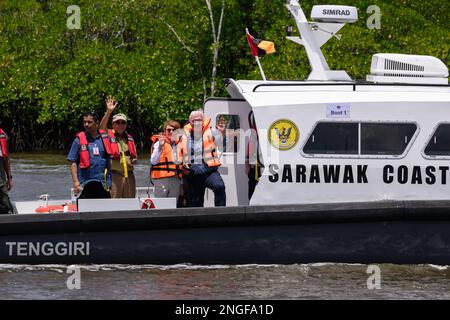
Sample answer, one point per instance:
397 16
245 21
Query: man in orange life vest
165 153
6 183
200 157
90 157
124 154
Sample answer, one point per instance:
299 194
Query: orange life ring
56 208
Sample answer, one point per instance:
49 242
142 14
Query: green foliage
49 74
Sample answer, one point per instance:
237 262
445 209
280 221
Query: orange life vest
167 165
115 146
84 147
3 146
209 145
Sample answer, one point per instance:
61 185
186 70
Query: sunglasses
170 129
121 122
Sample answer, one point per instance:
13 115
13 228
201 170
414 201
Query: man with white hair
200 159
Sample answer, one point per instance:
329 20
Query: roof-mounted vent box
403 68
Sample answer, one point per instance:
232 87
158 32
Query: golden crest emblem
283 134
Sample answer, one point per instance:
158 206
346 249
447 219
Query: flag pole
260 68
256 56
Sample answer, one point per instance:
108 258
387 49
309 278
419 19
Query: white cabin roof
270 93
238 87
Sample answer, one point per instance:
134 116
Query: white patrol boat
327 169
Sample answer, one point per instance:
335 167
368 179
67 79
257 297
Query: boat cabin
332 139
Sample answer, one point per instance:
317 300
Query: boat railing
353 84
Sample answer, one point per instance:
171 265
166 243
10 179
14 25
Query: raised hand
110 103
162 140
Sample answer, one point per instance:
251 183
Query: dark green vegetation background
49 74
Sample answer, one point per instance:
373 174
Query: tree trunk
216 42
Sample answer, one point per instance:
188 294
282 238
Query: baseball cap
119 116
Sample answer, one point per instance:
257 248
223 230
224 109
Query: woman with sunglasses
165 171
124 154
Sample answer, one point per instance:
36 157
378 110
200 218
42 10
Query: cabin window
439 144
228 125
360 139
386 138
333 138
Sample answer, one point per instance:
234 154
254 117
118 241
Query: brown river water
35 174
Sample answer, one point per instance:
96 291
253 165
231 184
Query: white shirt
154 159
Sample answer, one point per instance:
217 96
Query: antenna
315 34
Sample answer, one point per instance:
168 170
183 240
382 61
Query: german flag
258 47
